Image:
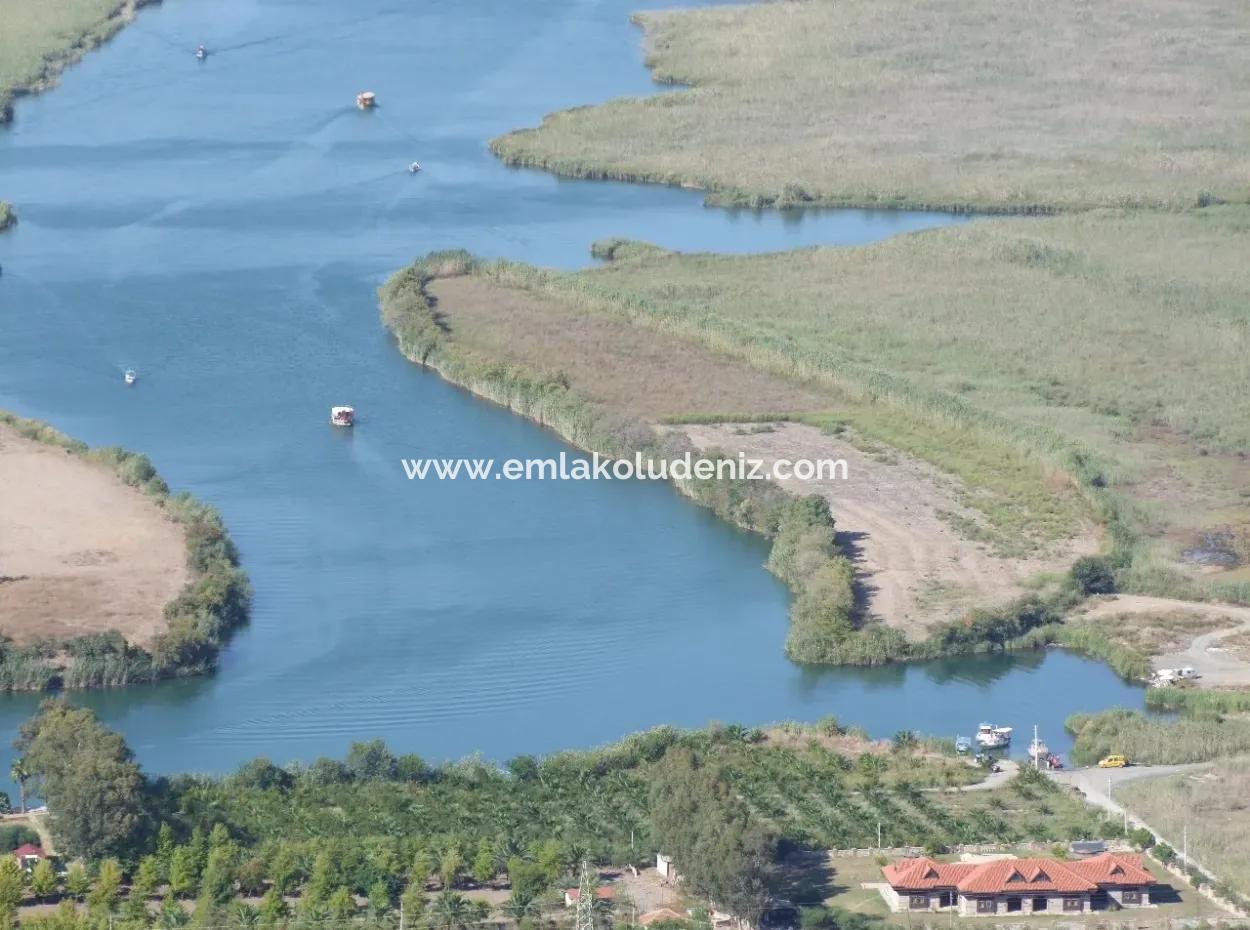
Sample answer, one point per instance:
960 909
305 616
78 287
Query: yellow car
1112 762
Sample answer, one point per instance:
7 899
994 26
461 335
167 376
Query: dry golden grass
1214 805
636 371
980 104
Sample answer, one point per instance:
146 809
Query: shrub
1093 575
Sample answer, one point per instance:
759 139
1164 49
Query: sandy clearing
79 551
1217 665
914 568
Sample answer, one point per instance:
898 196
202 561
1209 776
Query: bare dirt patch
636 370
893 520
79 551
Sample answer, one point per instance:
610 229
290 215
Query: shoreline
213 602
422 338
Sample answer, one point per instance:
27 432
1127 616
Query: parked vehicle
1114 761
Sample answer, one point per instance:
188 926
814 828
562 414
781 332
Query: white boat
342 415
992 737
1038 750
130 377
962 744
201 52
414 168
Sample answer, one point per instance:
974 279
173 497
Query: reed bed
1028 107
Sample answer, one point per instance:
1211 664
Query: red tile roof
603 893
29 849
1025 876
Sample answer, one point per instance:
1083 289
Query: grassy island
1022 108
100 597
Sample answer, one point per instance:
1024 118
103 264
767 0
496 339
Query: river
222 227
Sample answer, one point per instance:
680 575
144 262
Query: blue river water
222 227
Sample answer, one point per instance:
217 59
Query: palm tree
19 773
452 911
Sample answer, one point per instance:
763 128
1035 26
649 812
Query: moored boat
992 737
130 377
366 100
342 415
962 744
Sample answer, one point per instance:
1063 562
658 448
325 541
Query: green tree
12 886
449 866
217 883
146 878
19 774
371 761
1093 574
43 880
108 884
325 878
484 862
173 915
273 909
379 901
77 883
250 876
283 869
422 868
87 774
451 911
341 905
414 902
183 872
243 916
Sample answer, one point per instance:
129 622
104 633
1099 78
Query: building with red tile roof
29 855
1018 886
573 895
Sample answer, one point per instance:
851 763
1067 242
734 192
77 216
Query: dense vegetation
383 827
1155 740
210 607
804 553
918 103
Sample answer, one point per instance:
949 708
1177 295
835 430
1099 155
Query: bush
1093 575
1164 853
15 835
1141 838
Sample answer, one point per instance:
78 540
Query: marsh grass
1210 809
1025 107
1156 741
39 38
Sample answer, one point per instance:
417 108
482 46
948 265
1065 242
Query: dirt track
1216 666
916 570
79 551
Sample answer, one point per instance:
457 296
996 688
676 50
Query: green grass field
976 105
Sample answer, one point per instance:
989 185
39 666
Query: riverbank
110 578
918 105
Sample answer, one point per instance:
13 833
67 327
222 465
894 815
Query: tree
183 872
379 901
250 876
449 866
341 905
451 911
77 884
1093 574
243 915
12 882
87 774
371 761
43 880
108 884
19 773
422 867
147 876
273 909
484 862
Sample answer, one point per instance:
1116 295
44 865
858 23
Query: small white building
664 865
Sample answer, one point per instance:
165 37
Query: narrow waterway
222 227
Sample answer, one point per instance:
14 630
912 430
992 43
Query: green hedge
214 602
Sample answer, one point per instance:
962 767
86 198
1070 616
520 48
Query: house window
946 899
1015 905
1073 904
919 902
1130 897
987 906
1039 904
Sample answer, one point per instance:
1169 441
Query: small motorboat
1038 750
130 377
992 737
963 745
342 416
366 100
201 52
414 168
